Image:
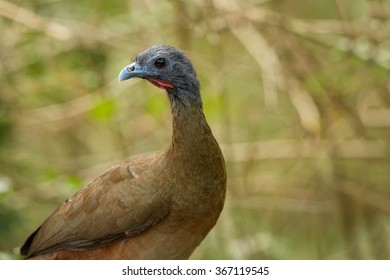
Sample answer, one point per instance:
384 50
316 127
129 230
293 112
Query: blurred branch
273 76
346 36
257 46
375 117
64 112
305 106
365 195
290 149
305 27
284 204
84 32
34 21
80 33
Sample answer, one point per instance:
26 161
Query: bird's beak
133 70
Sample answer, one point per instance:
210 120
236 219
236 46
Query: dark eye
160 63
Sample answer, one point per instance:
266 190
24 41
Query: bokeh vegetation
296 91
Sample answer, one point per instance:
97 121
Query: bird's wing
124 201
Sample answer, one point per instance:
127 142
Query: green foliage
73 182
296 91
104 110
5 130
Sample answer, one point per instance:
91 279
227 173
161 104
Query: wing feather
118 204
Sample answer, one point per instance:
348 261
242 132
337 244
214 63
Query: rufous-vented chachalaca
158 206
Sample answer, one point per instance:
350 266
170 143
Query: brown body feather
159 206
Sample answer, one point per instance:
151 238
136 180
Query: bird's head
168 68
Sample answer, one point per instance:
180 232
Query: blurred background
297 93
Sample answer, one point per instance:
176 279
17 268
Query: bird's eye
160 63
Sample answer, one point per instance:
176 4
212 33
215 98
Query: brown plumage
158 206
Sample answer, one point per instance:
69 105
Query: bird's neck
190 129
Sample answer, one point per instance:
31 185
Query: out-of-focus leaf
74 182
5 130
156 106
104 110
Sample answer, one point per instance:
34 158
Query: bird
154 206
